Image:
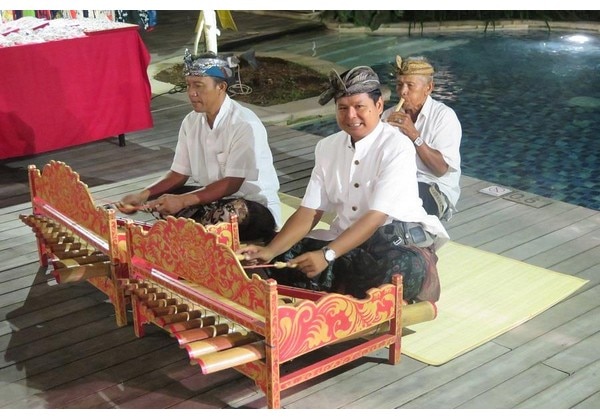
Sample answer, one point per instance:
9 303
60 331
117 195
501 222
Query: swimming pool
528 102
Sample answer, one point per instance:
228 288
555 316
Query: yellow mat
483 295
289 204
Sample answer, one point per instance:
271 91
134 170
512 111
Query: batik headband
360 79
206 65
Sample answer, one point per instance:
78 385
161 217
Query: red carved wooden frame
58 193
181 256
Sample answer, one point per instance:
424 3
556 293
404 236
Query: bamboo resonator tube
416 313
214 362
213 342
82 272
72 258
77 261
226 351
199 322
220 343
201 333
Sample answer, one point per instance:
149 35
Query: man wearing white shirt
365 175
223 148
435 132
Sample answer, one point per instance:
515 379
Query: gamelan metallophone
196 289
83 241
186 279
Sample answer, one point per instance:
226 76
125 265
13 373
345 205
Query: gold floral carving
184 248
60 186
309 325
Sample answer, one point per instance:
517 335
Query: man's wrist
191 199
145 194
328 254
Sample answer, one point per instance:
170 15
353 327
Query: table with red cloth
63 93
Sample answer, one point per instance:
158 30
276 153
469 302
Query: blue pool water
528 102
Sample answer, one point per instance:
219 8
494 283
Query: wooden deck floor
61 349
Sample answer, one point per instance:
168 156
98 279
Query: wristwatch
329 254
418 141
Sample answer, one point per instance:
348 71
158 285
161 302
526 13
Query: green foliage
373 19
370 18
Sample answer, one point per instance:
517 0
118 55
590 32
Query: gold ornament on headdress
414 66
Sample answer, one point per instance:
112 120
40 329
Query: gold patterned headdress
414 66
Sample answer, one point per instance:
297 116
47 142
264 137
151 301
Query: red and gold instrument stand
80 240
83 241
186 279
197 290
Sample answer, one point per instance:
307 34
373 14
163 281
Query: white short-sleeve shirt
441 130
236 146
378 173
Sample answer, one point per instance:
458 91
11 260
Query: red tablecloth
64 93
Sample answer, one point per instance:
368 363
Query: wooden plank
25 360
591 402
290 162
591 273
294 167
401 391
19 272
129 380
17 256
347 389
83 360
571 391
535 231
293 178
22 235
522 218
458 391
584 265
44 303
551 319
517 389
561 231
576 357
186 388
483 217
134 380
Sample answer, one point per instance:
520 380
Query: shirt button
356 185
356 162
354 208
